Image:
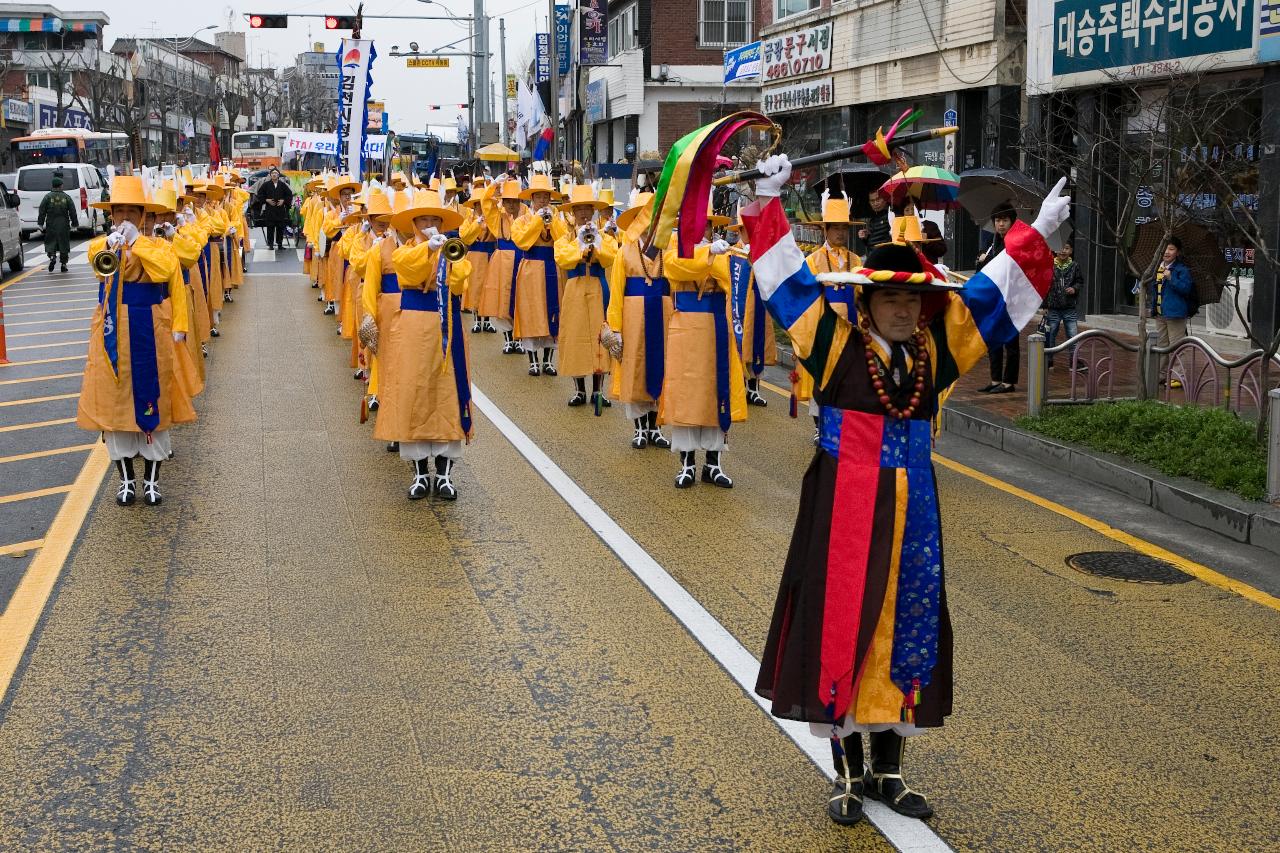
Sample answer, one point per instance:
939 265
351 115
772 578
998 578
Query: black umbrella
1201 252
856 181
984 190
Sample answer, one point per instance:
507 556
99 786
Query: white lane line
905 834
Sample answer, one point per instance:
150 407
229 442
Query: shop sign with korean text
796 53
597 101
543 42
564 20
1141 38
806 95
1269 32
742 63
593 36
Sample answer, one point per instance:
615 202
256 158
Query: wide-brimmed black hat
894 266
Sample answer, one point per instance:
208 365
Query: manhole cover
1127 566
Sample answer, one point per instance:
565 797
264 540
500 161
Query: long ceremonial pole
841 154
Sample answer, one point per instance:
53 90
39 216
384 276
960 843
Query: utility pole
553 108
480 47
502 47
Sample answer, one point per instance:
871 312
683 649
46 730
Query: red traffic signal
268 22
339 22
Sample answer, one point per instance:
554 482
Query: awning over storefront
45 25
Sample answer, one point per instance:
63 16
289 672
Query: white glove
115 240
544 211
231 232
128 232
436 241
776 171
1054 210
366 227
719 247
179 337
432 232
191 214
168 230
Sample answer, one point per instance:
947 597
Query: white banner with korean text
355 59
807 94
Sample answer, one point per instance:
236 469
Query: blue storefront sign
1269 32
71 118
597 102
1097 35
742 63
543 41
564 20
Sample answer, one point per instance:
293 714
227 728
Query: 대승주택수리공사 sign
799 96
1143 37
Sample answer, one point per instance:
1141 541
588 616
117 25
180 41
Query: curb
1243 521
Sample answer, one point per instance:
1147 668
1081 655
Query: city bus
259 149
71 145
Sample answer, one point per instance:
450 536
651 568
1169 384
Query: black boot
151 483
753 393
844 806
445 490
52 261
488 325
510 345
373 402
393 447
641 439
128 485
688 469
475 325
713 473
598 399
580 395
548 369
656 438
817 430
421 485
534 370
884 779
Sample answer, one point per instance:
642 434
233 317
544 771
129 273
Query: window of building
795 7
724 23
622 30
38 78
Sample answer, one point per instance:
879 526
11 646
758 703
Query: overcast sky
408 92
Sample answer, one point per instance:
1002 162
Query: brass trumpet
546 218
454 250
105 263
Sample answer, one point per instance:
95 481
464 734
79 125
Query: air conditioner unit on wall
1221 317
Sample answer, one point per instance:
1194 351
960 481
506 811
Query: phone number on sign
796 67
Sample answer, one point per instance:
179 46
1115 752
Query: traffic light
268 22
339 22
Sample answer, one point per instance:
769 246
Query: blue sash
655 333
593 269
842 295
510 246
485 246
455 345
390 283
551 280
412 299
757 331
206 255
739 288
713 303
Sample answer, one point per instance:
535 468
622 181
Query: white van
10 241
81 181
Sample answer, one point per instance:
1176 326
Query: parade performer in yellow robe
311 210
192 233
475 232
189 364
214 224
860 639
351 247
340 194
585 255
638 315
379 289
501 207
535 300
752 325
703 389
833 256
129 392
426 393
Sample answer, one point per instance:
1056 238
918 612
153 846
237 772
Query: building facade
1094 76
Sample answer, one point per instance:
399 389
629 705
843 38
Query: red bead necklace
876 370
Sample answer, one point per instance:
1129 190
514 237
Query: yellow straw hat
343 183
129 189
511 191
835 211
539 184
378 205
626 217
584 195
357 213
167 195
426 203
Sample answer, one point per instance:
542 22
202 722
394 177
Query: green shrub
1210 445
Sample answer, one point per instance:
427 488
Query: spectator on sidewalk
1004 360
1060 302
1170 295
934 246
876 230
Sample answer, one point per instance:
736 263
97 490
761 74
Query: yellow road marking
47 322
41 378
44 287
39 454
19 547
42 292
50 311
17 427
19 619
51 302
47 346
70 331
38 400
34 493
17 278
43 360
1196 570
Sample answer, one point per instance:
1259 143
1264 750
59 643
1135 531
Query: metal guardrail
1187 372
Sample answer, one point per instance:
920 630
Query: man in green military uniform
57 217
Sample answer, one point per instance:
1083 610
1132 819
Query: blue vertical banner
543 42
355 64
564 20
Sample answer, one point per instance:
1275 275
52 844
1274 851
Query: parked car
10 227
82 181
